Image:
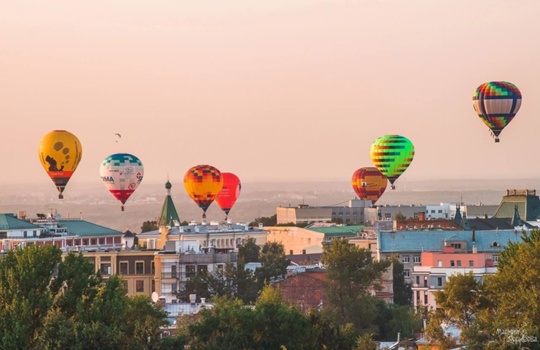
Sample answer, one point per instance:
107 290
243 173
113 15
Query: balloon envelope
497 103
229 192
392 155
203 183
59 153
121 173
369 183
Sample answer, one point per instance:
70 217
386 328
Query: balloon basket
393 187
122 208
60 196
497 140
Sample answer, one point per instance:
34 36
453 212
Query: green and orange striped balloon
392 155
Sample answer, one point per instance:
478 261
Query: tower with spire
169 216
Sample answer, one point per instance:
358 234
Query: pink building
435 268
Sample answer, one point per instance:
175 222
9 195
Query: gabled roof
84 228
432 241
10 222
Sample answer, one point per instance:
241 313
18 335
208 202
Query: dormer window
495 244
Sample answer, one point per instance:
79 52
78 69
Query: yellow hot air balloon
60 152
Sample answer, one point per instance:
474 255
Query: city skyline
274 91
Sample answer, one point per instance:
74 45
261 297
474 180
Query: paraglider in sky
229 192
392 155
117 136
121 173
203 183
369 183
496 103
60 152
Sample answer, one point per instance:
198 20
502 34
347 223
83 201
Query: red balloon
369 183
229 192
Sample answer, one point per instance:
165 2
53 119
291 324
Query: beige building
356 212
311 239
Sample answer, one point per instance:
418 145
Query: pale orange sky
277 90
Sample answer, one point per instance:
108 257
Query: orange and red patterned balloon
369 183
203 183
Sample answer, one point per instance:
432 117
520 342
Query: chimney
161 302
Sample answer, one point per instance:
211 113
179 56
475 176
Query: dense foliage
50 303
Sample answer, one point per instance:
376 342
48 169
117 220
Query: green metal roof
87 229
168 213
338 231
10 222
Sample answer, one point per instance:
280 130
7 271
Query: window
105 269
34 233
425 299
439 263
291 252
471 263
153 284
404 258
459 263
25 234
139 267
387 216
418 280
139 286
124 270
495 259
203 268
174 288
406 272
190 270
439 211
452 263
153 267
173 271
101 240
433 211
125 284
303 251
416 259
439 281
456 245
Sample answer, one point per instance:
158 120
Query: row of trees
500 312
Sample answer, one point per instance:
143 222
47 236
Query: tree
273 263
149 225
458 305
328 334
514 293
248 252
270 324
47 303
266 221
402 290
352 274
398 216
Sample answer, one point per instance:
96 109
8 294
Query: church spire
168 215
516 219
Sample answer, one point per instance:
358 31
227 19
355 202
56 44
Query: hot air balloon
229 192
496 103
203 183
60 152
392 155
121 173
369 183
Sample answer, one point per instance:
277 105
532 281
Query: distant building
526 202
353 213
